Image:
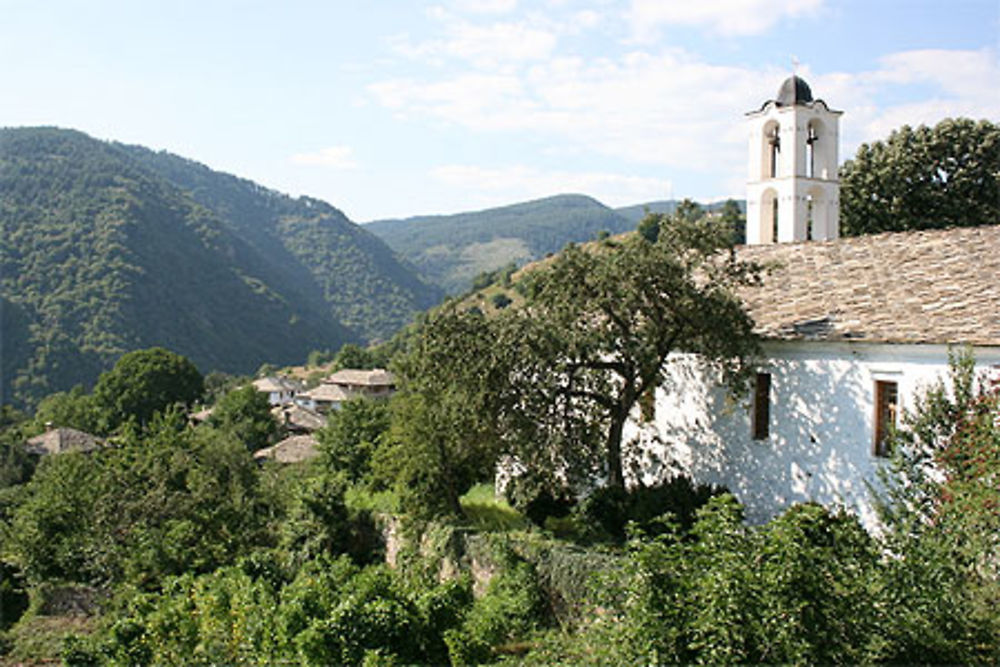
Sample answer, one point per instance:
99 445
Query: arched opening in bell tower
813 150
769 216
817 225
770 150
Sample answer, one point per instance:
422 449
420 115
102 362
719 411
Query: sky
393 108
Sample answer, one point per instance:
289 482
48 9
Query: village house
61 440
293 449
346 384
854 329
297 419
279 390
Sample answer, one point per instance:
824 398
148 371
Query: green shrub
606 512
803 589
536 498
352 435
13 595
512 607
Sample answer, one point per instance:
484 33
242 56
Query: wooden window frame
886 416
760 417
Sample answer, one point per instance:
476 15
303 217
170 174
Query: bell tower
793 191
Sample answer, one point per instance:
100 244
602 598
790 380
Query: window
811 139
774 141
886 411
761 416
774 220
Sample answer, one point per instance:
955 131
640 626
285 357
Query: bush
352 435
170 501
500 300
512 607
534 497
605 513
245 413
801 590
13 595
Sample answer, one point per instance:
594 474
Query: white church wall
821 441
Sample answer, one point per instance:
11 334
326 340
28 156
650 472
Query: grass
384 502
39 639
485 511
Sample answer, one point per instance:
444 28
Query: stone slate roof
276 384
910 287
295 449
59 440
298 418
326 392
376 377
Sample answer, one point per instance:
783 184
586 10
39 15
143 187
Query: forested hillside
450 250
667 206
108 248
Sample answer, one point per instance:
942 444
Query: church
853 329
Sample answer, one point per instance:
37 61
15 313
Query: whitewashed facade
820 444
854 329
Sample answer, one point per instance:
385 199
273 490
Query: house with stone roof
61 440
346 384
373 382
297 419
293 449
279 390
854 329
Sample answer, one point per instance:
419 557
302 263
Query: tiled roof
276 384
376 377
59 440
326 392
909 287
295 449
297 417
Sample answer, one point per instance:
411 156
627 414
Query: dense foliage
143 383
202 556
109 248
246 414
923 178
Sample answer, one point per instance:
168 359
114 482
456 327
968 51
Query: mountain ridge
108 247
450 250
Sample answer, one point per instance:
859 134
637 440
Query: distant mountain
107 248
450 250
638 211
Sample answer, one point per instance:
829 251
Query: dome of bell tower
794 91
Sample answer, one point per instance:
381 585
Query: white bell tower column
793 190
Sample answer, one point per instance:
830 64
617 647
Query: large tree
598 326
553 381
145 382
443 436
246 414
924 178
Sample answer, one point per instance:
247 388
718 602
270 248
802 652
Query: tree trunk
616 476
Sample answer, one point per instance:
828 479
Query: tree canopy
600 323
923 178
246 414
145 382
553 382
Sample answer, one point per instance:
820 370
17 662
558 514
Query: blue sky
393 108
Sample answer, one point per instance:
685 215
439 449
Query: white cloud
483 45
951 83
504 184
667 109
486 6
335 157
678 112
727 17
